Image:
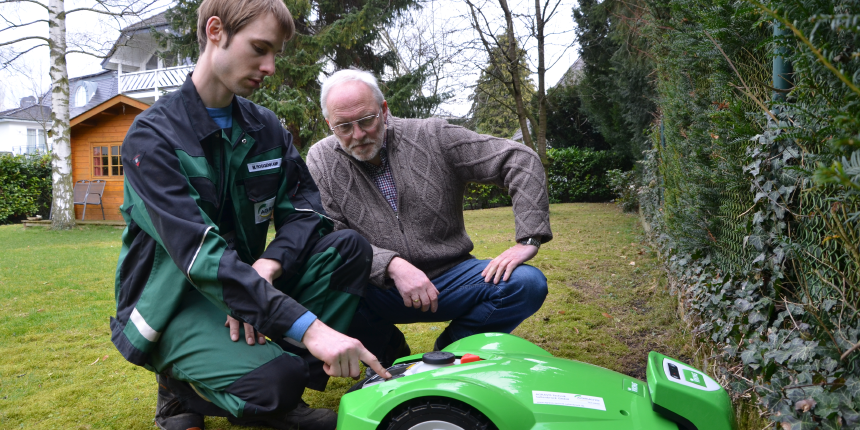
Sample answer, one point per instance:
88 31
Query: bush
579 175
25 186
575 175
623 184
480 196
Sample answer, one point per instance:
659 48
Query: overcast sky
436 14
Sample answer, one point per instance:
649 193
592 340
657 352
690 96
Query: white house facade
132 68
141 73
23 130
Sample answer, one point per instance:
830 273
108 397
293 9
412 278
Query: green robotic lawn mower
499 381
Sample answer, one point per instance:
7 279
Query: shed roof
106 87
106 105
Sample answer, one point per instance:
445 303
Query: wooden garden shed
96 143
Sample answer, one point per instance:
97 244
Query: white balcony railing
153 81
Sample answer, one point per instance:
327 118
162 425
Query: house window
152 64
36 142
81 96
107 160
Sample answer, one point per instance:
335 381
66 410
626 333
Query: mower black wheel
437 413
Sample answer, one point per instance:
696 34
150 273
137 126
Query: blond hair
236 14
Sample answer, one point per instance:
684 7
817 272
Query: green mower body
499 381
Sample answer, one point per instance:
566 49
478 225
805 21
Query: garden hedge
25 187
753 199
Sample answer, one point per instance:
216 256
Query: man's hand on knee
340 353
250 333
268 270
413 285
501 267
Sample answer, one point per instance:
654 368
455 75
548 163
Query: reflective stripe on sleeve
144 328
190 265
311 210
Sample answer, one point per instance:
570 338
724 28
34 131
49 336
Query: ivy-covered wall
754 202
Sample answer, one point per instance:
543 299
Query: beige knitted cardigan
431 161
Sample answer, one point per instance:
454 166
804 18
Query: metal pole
782 70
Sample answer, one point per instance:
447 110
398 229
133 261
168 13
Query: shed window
107 160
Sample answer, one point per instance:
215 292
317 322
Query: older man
400 183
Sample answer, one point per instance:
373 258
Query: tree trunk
541 94
62 208
513 65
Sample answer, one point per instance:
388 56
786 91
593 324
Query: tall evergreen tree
616 93
493 107
405 97
330 34
567 124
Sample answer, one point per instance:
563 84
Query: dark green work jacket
197 206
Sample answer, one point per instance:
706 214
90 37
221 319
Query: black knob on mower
438 357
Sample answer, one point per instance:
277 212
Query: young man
400 183
206 172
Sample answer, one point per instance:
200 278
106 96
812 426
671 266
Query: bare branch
126 11
849 351
7 63
44 6
81 51
12 24
11 42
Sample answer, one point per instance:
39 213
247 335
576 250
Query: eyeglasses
345 129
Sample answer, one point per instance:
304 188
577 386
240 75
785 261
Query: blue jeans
472 305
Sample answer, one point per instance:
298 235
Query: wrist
394 267
533 241
312 331
268 268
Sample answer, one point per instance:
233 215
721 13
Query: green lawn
59 369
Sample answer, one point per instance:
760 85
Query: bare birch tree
499 35
33 86
28 35
419 40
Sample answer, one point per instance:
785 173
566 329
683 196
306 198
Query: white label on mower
568 399
689 377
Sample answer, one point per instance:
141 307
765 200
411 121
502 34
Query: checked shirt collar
382 175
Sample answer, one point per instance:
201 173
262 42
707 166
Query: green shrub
623 184
575 175
480 196
25 186
579 175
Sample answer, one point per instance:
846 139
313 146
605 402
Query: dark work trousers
213 375
472 305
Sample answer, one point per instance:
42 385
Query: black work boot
302 417
170 414
442 341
